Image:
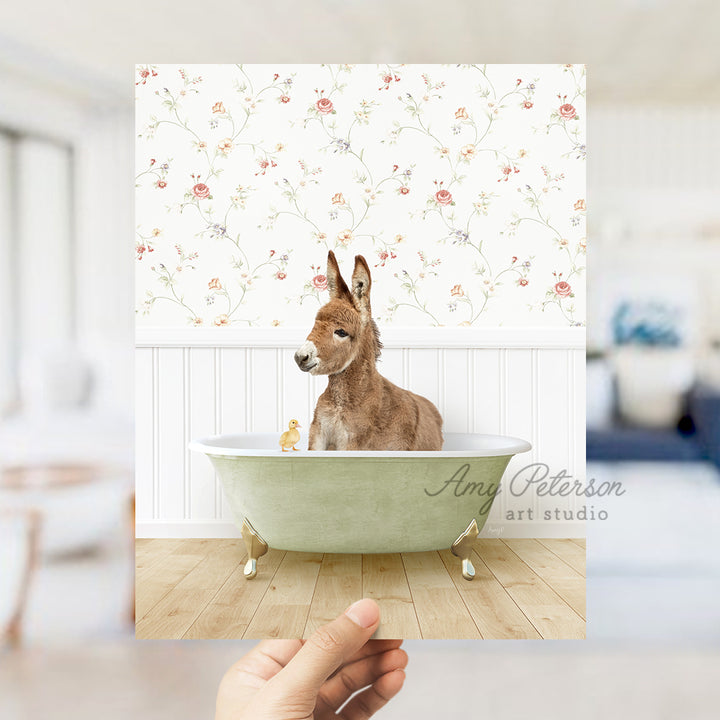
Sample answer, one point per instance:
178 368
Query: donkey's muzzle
306 357
302 359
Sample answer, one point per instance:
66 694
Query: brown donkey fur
360 410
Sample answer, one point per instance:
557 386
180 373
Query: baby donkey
360 409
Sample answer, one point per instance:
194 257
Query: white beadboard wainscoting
527 382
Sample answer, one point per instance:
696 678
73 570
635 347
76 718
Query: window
37 277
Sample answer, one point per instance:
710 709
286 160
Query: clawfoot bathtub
360 501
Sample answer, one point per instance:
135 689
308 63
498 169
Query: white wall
524 382
104 254
654 178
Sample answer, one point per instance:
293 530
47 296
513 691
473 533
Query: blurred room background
66 346
653 363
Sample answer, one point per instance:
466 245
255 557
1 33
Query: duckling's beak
298 425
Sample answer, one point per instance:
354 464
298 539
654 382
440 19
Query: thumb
328 648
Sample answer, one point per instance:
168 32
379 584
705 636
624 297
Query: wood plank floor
522 589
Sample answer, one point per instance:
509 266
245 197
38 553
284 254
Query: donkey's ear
336 285
361 284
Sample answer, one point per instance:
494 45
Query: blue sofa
696 438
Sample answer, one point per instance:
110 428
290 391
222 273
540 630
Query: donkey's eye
341 333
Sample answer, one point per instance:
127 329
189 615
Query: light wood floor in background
522 589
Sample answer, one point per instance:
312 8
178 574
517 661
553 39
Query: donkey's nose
306 356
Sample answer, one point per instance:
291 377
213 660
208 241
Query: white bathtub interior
454 445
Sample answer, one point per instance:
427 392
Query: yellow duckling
290 437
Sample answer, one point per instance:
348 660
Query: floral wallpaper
462 185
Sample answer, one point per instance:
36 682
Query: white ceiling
637 51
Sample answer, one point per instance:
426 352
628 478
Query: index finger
371 647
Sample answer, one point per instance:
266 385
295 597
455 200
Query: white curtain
8 341
37 278
45 271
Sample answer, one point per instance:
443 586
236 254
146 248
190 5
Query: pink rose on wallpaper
264 164
562 289
579 205
284 99
161 184
384 256
144 74
324 106
527 105
345 236
443 197
222 320
403 189
522 282
457 291
320 282
567 111
338 199
201 191
281 275
218 107
461 114
214 284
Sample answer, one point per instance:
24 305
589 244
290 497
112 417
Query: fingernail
364 613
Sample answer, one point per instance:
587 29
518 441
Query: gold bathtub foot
256 547
463 548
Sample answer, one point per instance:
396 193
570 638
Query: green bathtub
360 501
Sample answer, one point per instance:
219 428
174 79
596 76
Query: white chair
19 535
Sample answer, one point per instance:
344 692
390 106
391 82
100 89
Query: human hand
311 680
